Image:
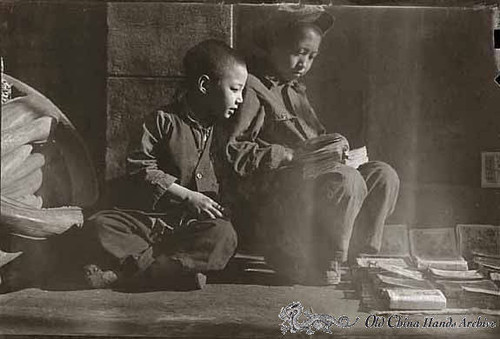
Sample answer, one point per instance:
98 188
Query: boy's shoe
96 278
333 274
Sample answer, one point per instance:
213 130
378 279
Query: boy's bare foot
96 278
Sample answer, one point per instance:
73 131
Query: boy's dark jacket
174 148
275 117
265 127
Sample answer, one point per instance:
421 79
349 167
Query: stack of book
387 280
396 286
465 289
490 266
426 269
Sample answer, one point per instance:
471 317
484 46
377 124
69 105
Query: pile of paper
425 269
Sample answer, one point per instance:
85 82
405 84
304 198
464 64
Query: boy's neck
198 109
271 73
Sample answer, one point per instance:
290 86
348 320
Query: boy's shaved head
287 25
212 58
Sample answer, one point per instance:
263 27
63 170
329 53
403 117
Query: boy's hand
204 206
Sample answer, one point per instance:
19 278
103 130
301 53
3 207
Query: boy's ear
203 83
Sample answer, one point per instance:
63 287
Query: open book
356 157
323 154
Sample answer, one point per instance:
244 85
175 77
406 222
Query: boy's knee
383 174
92 224
105 222
345 182
225 241
227 234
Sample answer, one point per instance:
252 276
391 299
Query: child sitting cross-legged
174 228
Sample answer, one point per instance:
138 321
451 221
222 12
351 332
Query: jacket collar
271 81
188 114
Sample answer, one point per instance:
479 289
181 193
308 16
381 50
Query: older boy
176 227
306 224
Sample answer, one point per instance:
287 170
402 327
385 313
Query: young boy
306 224
176 227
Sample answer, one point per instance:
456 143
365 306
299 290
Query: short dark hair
285 26
210 57
285 37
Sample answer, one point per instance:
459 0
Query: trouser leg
119 241
285 224
340 197
310 225
123 242
202 245
382 182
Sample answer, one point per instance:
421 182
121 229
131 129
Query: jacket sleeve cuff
160 183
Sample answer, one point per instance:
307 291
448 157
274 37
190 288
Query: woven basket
69 180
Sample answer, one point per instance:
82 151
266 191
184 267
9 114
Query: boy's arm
142 163
196 201
245 151
142 166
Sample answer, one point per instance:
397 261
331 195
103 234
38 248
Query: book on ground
488 262
483 240
436 248
453 274
385 280
401 271
454 289
413 299
458 264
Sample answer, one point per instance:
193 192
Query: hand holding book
325 147
323 154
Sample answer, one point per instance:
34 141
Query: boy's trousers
308 223
130 241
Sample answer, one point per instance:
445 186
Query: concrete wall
146 44
415 85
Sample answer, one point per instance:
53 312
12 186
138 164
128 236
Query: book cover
481 240
455 274
412 299
437 248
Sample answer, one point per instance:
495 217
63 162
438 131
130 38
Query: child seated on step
174 228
